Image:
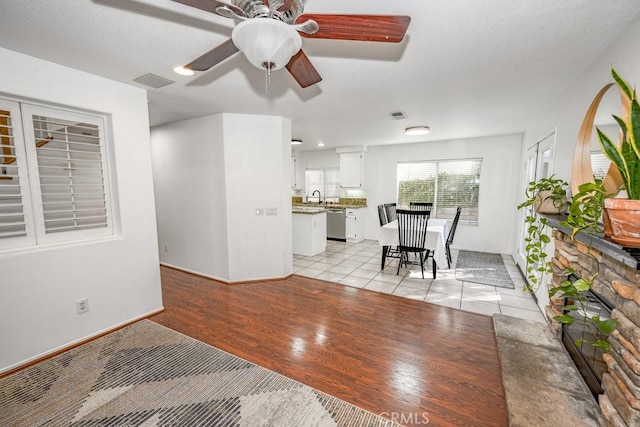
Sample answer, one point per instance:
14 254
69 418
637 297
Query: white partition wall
119 275
223 189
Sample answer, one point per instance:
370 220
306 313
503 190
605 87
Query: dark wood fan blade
210 5
213 57
303 70
372 28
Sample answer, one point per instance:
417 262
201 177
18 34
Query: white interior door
538 163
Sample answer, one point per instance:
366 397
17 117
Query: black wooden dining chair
452 232
382 215
412 233
391 252
421 206
390 210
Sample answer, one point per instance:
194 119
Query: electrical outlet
82 305
272 211
166 247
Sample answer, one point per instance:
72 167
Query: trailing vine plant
536 239
576 292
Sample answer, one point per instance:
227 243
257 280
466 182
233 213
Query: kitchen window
53 176
326 181
445 183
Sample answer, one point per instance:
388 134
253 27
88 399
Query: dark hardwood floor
407 360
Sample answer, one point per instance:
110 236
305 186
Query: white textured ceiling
465 68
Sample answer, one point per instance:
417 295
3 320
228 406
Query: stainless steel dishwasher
336 224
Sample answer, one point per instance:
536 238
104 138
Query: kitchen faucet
319 198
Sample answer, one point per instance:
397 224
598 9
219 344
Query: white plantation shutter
15 209
67 162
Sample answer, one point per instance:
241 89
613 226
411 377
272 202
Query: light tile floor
358 265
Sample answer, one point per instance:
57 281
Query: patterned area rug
148 375
483 268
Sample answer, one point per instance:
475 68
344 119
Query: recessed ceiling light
417 130
296 141
320 144
183 71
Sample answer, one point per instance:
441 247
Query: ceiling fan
269 34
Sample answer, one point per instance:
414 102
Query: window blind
12 220
458 185
447 184
600 165
70 167
327 181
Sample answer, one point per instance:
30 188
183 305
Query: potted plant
624 213
547 195
586 209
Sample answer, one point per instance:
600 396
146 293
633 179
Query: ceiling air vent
153 80
397 115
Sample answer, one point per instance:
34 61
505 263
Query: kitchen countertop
308 210
326 205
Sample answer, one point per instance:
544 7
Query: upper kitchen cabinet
351 170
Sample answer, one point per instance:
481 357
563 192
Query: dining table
435 241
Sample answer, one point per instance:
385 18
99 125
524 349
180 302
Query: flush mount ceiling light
296 141
183 71
417 130
267 43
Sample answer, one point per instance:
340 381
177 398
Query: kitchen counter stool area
358 265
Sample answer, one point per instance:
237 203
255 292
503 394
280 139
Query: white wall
120 276
211 175
498 196
189 182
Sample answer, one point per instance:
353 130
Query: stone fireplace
618 285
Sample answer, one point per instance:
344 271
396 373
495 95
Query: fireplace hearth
578 339
613 376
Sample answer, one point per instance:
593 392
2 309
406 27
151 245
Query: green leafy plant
627 156
536 239
550 188
576 294
585 210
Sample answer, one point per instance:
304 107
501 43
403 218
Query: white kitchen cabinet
355 224
351 170
309 232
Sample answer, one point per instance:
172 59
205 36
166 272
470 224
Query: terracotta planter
544 204
606 222
624 215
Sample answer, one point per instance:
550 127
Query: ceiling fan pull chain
268 76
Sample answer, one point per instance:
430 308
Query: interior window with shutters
447 184
58 176
14 209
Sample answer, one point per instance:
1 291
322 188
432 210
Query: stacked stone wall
619 284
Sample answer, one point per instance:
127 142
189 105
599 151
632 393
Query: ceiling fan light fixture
267 43
417 130
183 71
